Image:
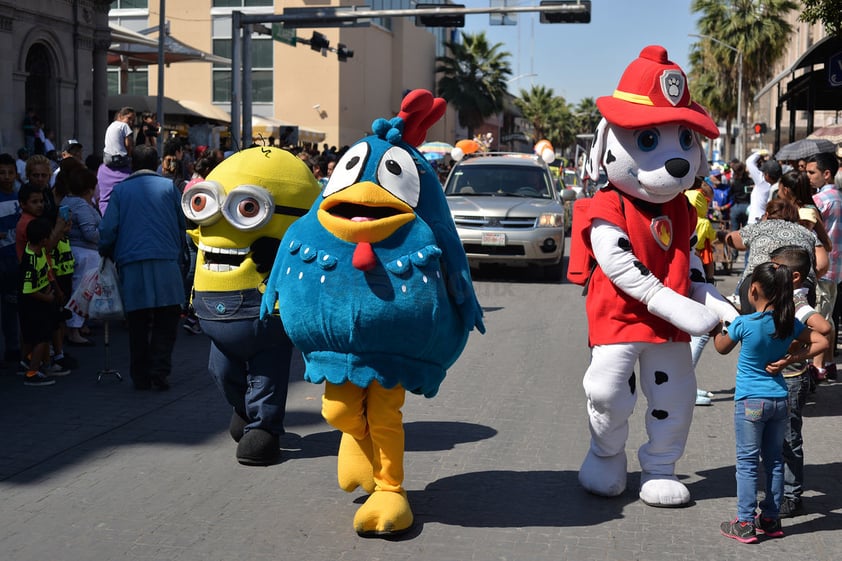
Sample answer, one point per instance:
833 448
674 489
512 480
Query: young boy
797 377
37 307
31 199
9 215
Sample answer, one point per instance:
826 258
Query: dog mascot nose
677 167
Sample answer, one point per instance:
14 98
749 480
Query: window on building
241 3
130 5
137 82
261 67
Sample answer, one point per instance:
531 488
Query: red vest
660 239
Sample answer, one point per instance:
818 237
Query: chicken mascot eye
248 207
398 174
348 169
201 202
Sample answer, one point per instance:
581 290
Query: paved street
97 471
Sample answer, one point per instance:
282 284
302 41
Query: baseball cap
72 143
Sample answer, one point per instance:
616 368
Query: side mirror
568 195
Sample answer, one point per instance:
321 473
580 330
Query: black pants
152 334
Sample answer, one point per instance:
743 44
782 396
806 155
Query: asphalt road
96 471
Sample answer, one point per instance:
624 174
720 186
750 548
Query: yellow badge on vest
661 228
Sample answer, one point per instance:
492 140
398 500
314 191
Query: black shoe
769 527
259 448
236 426
740 531
791 507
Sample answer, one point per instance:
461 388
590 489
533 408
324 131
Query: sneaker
703 393
702 400
55 369
830 370
37 378
192 326
769 527
791 507
741 531
23 367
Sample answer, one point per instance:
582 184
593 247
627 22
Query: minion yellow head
242 209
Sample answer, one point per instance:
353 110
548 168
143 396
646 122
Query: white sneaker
37 378
56 370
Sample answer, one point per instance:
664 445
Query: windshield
503 181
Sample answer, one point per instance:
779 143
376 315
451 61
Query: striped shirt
829 202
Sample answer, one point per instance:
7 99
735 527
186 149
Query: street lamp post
739 89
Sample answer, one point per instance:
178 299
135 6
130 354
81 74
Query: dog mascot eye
647 140
685 138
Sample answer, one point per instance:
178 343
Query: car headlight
551 220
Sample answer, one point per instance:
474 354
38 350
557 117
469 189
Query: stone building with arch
53 59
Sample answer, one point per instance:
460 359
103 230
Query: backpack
581 263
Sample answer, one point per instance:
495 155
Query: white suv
508 211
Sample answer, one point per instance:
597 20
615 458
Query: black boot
258 448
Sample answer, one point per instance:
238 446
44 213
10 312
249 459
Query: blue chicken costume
373 287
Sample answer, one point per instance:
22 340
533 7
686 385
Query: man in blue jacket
143 232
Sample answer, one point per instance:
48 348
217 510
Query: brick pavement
95 472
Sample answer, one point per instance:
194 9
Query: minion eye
248 207
201 203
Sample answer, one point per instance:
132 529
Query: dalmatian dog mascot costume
647 292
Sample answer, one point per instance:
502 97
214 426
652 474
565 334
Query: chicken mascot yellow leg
371 452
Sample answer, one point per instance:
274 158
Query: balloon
545 150
463 148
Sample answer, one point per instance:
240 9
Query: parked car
508 211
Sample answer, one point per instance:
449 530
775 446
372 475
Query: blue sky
587 60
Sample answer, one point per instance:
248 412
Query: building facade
331 101
52 59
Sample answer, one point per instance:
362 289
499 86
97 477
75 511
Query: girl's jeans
759 426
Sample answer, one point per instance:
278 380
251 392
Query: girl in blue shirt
771 339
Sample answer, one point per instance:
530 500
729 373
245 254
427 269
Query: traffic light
760 128
578 11
319 42
343 53
442 20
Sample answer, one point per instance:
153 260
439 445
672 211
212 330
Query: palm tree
587 115
474 79
536 106
757 30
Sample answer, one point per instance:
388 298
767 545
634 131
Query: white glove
682 312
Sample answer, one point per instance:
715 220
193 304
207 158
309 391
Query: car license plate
491 238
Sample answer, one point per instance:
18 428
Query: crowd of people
59 213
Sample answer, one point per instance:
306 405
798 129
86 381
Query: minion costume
374 288
242 209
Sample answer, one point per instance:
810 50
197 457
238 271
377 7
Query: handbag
80 300
106 302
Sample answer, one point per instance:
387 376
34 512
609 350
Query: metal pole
236 78
740 143
159 107
247 91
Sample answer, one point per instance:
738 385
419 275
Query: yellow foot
385 513
353 467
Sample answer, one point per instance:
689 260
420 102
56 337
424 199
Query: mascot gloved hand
242 209
374 288
644 299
